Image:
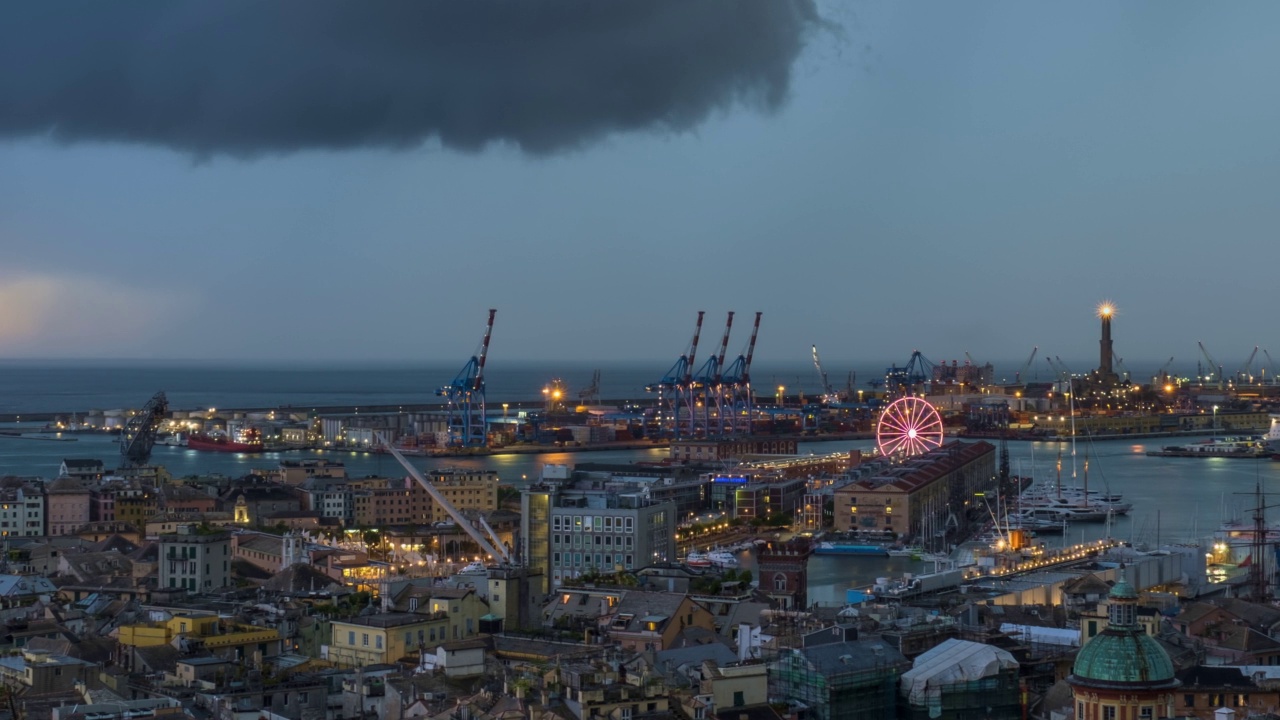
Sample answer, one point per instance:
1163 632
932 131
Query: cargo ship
247 441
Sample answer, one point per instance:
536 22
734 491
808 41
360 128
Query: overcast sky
196 180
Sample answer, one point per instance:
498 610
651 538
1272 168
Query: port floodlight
908 426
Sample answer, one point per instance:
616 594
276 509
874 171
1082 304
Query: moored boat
830 548
698 560
722 559
250 441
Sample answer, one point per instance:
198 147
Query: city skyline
874 179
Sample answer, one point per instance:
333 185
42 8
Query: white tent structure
953 663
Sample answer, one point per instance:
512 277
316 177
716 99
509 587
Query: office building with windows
567 533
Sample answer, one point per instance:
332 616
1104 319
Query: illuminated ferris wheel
908 426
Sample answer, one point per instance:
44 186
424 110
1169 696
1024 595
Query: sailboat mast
1071 403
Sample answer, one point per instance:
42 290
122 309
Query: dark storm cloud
246 77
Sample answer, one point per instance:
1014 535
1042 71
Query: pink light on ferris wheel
908 426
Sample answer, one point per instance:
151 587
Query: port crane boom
1214 367
1017 377
828 396
497 552
1271 365
1243 375
1120 364
464 398
138 435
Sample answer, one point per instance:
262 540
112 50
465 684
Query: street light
1215 418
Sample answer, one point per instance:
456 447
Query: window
377 642
408 639
364 639
1146 712
351 637
738 699
1188 700
628 524
1108 712
779 582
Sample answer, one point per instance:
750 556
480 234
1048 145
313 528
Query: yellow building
232 641
444 615
384 638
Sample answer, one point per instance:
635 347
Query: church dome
1123 656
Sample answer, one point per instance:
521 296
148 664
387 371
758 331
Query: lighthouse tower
1106 352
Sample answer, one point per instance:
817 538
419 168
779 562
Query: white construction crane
494 549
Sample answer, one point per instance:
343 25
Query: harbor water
1174 499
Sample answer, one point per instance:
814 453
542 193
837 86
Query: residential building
42 673
22 509
68 505
126 501
1249 690
22 590
383 638
79 469
593 691
256 500
402 501
233 641
181 498
196 559
168 522
590 530
643 621
297 472
465 490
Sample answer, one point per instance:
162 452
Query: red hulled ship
248 441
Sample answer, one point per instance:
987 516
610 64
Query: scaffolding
865 689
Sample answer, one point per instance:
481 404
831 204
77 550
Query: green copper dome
1123 656
1122 590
